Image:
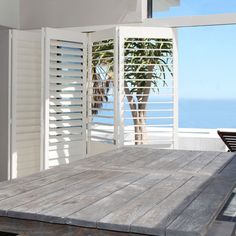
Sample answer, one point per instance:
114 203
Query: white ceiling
9 13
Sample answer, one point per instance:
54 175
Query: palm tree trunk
142 105
138 110
134 113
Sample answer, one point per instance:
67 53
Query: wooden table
128 191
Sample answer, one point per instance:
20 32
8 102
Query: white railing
188 138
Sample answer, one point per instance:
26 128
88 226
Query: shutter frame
61 97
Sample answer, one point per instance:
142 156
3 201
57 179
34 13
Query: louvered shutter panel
102 91
26 102
65 96
148 86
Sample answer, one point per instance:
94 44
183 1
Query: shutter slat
65 88
68 145
66 95
60 124
66 109
55 50
66 80
26 116
66 44
65 160
67 116
66 99
59 58
31 136
69 103
30 129
55 72
65 153
64 138
65 131
71 65
28 122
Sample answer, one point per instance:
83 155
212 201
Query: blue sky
207 55
199 7
207 62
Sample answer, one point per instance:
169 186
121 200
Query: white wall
200 140
188 139
32 14
72 13
9 13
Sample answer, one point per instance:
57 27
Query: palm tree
147 66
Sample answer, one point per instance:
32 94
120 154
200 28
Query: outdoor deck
128 191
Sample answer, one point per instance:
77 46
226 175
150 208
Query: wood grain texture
161 215
132 210
216 165
131 190
196 218
89 216
201 161
26 196
36 228
33 207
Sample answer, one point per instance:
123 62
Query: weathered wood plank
160 163
64 202
200 162
87 198
147 159
229 170
10 191
133 156
89 216
121 219
196 218
180 162
217 164
134 190
36 228
155 221
37 193
78 164
36 176
111 156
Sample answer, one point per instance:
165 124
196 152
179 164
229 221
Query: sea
207 113
193 113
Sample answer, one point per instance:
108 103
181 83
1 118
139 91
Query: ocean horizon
207 113
193 113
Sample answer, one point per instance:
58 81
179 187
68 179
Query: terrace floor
127 191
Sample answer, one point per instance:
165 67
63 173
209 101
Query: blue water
195 113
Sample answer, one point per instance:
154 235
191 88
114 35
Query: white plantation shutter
102 111
65 96
54 99
145 72
26 99
120 52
